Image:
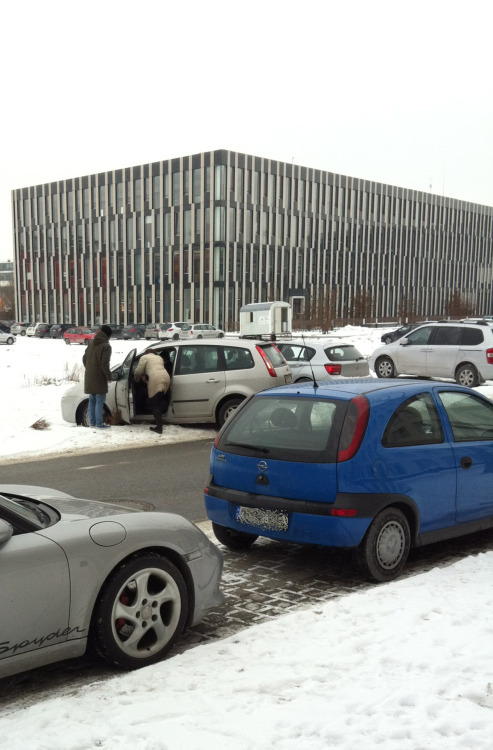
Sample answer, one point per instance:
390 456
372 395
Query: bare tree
7 302
320 313
456 307
361 306
406 309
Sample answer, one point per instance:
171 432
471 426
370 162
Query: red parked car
79 335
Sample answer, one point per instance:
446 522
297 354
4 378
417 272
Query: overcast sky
390 91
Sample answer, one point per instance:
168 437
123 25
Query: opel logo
262 466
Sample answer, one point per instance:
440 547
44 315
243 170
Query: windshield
26 514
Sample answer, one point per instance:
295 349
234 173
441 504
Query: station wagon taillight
489 356
267 362
354 428
333 369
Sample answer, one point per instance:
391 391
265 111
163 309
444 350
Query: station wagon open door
123 388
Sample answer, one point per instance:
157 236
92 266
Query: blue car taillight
354 428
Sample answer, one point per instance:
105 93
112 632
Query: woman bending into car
151 369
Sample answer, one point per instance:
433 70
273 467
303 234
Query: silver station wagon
208 382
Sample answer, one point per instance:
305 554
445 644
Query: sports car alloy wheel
141 612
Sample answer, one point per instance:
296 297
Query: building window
219 223
220 183
176 188
148 231
196 185
137 194
85 203
156 191
187 226
119 197
167 229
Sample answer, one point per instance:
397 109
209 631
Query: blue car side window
470 417
415 422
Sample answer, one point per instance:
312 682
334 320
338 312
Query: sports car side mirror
6 531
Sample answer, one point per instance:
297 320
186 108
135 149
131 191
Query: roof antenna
315 384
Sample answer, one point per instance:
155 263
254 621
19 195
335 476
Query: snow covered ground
405 665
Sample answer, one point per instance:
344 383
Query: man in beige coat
151 367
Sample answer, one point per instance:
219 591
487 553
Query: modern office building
197 237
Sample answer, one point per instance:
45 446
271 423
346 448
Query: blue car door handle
466 462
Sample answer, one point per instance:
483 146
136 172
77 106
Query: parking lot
271 579
263 583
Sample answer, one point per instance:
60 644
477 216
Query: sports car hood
75 508
71 508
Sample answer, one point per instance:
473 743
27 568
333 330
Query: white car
201 331
459 351
31 331
209 379
6 338
172 331
331 359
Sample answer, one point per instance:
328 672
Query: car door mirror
404 341
6 531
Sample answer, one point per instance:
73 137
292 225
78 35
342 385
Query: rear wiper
247 445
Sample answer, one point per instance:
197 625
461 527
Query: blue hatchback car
372 466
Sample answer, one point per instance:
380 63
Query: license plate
261 518
288 378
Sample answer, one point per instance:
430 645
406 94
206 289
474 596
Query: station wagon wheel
387 340
384 367
176 336
304 380
220 335
385 548
140 612
82 415
226 410
233 539
67 342
467 375
10 340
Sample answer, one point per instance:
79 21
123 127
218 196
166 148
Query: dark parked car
43 331
134 331
58 329
4 326
374 467
116 330
391 336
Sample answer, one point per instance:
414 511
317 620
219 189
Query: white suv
209 379
461 351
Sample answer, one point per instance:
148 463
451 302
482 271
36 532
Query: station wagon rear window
277 427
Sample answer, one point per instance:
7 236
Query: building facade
197 237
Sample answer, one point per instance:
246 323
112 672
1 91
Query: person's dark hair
107 330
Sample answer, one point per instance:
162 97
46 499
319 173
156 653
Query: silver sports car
74 572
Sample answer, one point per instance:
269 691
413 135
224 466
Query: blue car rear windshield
286 428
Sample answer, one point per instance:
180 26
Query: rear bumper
303 527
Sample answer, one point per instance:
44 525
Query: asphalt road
168 477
